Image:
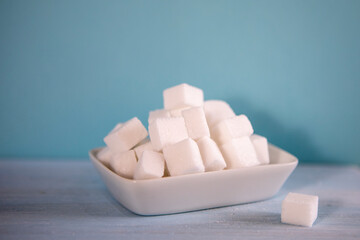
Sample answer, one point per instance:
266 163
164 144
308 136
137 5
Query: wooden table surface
67 200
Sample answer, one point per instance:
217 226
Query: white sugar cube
150 165
299 209
105 155
211 155
160 113
183 158
239 152
177 112
261 148
182 95
124 163
127 136
216 111
235 127
166 131
195 122
142 147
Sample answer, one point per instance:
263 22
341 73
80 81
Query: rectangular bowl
198 191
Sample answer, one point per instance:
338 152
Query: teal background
70 70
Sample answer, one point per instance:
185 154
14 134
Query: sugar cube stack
299 209
189 135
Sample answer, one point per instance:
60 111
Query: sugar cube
235 127
211 155
239 152
261 148
160 113
216 111
182 95
299 209
150 165
183 158
166 131
127 136
195 122
124 163
105 155
139 149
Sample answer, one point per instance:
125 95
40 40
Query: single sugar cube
177 112
160 113
124 163
195 122
105 155
127 136
211 155
299 209
183 158
181 96
150 165
261 148
235 127
216 111
239 152
166 131
141 148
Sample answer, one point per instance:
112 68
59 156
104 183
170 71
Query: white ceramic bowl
201 190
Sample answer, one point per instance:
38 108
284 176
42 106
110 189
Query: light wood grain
67 200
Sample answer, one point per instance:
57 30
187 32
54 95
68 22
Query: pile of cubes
188 136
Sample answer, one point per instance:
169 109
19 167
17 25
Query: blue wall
70 70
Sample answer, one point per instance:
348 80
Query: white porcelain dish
201 190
